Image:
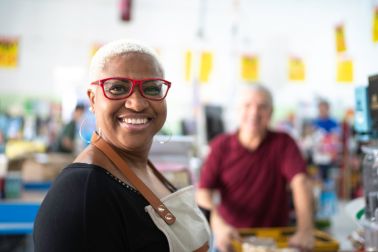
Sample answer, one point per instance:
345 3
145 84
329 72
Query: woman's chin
136 141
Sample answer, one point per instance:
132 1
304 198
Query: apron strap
116 159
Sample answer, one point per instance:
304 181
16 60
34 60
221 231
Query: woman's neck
135 159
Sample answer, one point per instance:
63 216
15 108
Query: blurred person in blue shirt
324 121
327 138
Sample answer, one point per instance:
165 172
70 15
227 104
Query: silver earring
91 110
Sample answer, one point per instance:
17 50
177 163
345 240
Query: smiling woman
128 104
112 198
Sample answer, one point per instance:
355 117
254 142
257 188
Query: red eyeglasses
118 88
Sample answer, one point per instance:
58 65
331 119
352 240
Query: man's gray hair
258 87
118 48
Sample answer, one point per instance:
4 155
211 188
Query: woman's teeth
135 120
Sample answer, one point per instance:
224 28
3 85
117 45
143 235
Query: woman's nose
136 101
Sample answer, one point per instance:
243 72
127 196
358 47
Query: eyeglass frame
134 83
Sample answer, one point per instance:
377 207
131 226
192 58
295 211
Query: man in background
66 138
251 170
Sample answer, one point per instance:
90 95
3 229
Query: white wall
56 37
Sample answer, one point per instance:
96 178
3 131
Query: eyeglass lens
118 89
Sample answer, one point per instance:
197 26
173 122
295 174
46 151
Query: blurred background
303 51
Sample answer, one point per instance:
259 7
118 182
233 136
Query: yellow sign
297 71
8 52
206 66
249 68
188 65
94 48
340 39
375 25
345 71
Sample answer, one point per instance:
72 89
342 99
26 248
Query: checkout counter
26 181
17 215
23 186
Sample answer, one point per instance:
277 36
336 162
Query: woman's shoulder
79 175
78 186
78 189
77 170
77 180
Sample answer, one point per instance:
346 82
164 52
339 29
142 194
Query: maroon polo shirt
253 184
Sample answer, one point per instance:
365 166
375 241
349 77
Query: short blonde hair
118 48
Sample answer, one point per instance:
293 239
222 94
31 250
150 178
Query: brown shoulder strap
115 158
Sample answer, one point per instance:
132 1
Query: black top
88 209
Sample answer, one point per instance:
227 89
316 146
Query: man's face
256 112
323 110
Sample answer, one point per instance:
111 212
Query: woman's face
132 122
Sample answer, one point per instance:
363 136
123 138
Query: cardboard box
44 167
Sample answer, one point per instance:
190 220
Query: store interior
302 51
